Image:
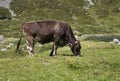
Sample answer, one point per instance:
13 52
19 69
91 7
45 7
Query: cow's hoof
80 55
51 55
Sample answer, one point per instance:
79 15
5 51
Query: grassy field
100 61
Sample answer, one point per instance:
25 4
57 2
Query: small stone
116 41
1 38
3 49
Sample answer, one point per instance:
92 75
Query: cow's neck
71 39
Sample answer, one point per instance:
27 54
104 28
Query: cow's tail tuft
18 44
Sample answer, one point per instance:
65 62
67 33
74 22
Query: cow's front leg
55 46
54 50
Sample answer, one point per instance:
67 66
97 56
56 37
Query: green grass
100 62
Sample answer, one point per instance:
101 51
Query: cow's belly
44 39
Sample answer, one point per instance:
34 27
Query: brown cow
58 32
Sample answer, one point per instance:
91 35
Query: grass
100 62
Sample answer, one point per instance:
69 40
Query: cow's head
75 48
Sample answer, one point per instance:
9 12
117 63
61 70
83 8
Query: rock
76 32
3 49
116 41
10 44
77 37
1 38
8 47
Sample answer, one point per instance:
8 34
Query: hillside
85 16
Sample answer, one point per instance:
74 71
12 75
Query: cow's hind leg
30 45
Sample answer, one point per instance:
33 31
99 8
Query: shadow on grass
71 55
67 54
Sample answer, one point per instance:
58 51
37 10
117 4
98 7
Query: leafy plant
4 13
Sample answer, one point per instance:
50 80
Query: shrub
4 13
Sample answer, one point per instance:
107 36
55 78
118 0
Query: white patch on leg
30 49
54 52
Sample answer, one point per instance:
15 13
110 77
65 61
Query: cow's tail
18 44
